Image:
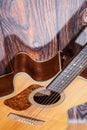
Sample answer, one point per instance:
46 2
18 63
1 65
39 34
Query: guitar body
54 117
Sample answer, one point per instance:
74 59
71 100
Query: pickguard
20 101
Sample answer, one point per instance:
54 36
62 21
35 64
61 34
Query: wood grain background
38 27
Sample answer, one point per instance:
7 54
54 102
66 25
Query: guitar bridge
25 119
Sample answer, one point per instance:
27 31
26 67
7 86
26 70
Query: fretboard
76 66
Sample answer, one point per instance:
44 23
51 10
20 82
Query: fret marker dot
62 81
81 67
74 64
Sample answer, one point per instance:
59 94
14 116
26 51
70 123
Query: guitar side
55 118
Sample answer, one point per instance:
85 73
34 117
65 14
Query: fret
78 64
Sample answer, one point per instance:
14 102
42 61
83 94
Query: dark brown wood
39 71
6 85
69 52
76 66
73 28
37 27
84 73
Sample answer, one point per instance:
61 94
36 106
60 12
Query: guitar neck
78 64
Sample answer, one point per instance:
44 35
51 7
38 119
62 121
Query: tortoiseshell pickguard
20 101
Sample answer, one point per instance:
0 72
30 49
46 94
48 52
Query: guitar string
52 99
69 74
71 68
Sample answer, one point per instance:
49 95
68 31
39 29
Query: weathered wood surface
77 117
78 114
39 28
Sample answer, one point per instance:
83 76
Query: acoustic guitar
35 107
39 105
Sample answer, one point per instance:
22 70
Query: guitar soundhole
46 97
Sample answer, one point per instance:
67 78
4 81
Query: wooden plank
77 117
34 26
